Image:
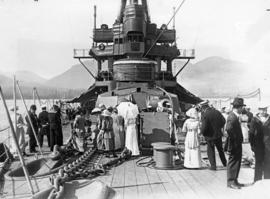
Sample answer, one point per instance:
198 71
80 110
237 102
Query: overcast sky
40 36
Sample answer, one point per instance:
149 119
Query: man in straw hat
234 143
259 138
211 128
20 133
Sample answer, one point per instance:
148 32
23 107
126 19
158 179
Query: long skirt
192 151
119 137
109 144
132 139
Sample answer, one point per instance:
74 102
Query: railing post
26 173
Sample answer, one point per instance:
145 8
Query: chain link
86 166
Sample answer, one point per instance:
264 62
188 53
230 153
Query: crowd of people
116 127
37 126
213 125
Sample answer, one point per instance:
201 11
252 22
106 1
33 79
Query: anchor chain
83 167
86 166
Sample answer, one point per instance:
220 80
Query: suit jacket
34 120
212 124
43 117
235 136
256 135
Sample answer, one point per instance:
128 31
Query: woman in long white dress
129 112
192 145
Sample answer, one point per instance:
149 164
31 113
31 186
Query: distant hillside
4 80
27 76
215 76
45 92
75 78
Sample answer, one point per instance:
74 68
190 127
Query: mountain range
213 76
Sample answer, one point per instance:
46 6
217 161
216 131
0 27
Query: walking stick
26 173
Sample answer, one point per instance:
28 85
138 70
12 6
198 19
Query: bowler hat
238 102
33 107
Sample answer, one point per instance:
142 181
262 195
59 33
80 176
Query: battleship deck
132 181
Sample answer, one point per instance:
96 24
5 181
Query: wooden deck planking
210 182
196 182
169 184
143 183
185 188
118 181
131 189
157 186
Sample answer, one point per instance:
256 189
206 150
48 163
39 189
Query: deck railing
81 53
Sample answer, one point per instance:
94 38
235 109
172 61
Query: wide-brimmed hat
238 102
96 110
106 113
193 113
102 106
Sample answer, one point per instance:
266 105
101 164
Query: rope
250 95
4 129
141 163
178 8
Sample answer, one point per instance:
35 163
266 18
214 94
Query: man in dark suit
30 131
258 134
45 128
234 144
211 129
56 136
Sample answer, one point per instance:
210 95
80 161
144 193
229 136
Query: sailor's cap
204 103
263 105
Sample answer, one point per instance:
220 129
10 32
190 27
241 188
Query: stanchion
30 121
15 105
26 173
